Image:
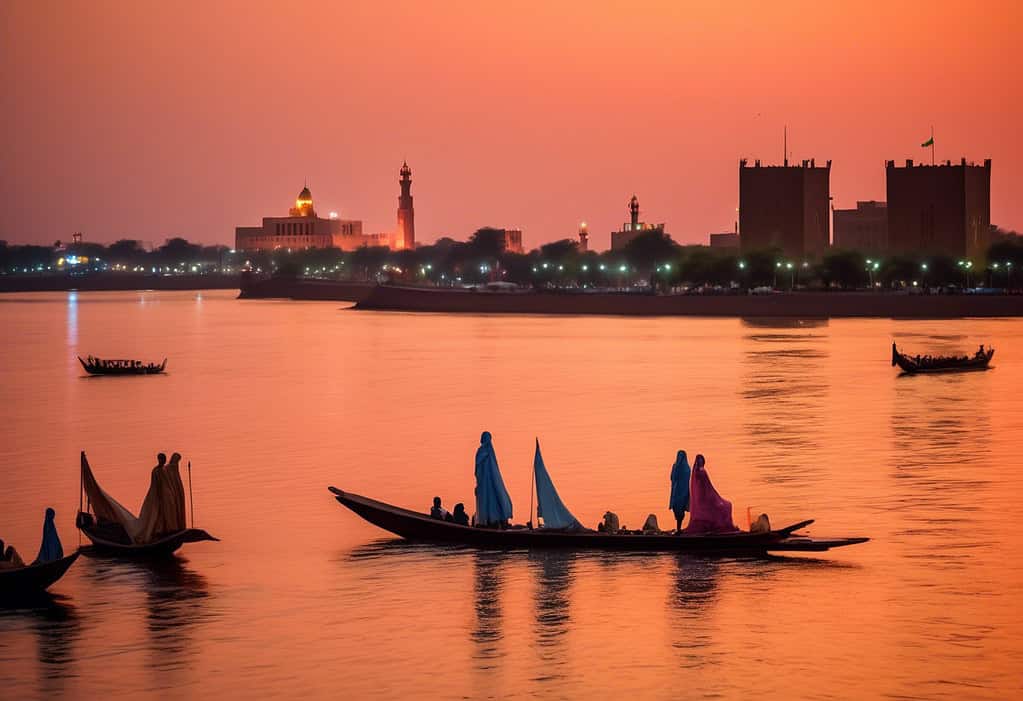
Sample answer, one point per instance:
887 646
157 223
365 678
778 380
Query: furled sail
549 505
105 506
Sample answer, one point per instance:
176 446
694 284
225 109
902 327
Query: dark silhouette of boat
110 539
412 525
99 366
913 365
23 582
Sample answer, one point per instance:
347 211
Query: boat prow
416 526
33 579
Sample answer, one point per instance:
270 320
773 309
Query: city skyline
125 133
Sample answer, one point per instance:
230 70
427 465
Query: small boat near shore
99 366
913 365
416 526
30 580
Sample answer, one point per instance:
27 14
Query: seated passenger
650 526
437 511
460 517
9 558
51 548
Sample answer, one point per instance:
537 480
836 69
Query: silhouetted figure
9 557
710 512
51 548
175 518
437 511
493 504
152 518
460 517
679 502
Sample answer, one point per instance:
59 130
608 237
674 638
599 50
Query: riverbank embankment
796 304
116 282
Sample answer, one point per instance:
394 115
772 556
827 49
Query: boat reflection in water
176 605
55 624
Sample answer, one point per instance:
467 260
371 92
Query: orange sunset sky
147 120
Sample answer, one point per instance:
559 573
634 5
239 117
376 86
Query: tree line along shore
651 260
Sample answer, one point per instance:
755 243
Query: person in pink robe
709 512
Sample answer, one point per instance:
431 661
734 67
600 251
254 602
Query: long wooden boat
107 541
910 365
99 366
412 525
33 579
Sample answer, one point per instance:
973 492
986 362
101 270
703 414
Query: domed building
302 228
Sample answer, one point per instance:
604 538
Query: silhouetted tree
649 249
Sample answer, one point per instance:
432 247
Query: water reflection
177 599
72 319
55 623
942 458
488 586
784 392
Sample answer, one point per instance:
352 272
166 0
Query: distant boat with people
915 364
101 366
710 529
416 526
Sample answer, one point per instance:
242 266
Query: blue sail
549 506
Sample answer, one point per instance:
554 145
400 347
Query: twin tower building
303 228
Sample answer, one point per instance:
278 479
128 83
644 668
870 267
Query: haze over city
153 121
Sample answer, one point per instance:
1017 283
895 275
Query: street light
774 284
792 276
966 265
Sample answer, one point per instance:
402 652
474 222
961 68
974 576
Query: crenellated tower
406 235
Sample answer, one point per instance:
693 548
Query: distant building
726 240
943 209
632 228
584 238
785 207
405 238
302 228
512 240
862 229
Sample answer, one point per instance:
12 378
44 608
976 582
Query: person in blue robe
679 502
51 548
493 505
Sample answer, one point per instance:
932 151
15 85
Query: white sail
549 506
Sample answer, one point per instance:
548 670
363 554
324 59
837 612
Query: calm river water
273 401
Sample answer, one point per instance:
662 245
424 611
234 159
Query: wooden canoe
105 544
910 366
415 526
33 579
122 367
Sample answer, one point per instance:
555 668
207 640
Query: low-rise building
729 239
862 229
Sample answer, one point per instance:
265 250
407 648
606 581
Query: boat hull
94 369
414 526
33 579
910 367
163 547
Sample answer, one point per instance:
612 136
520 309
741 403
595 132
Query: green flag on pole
929 142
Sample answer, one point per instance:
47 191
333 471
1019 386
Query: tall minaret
634 212
584 238
406 238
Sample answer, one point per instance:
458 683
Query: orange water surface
272 401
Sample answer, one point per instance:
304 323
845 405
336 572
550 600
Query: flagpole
932 144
